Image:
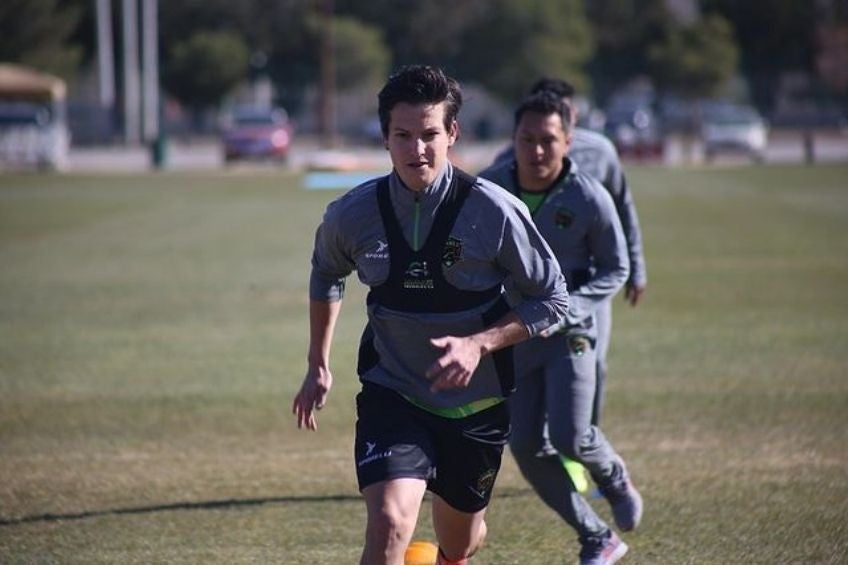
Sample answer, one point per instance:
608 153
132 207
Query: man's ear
453 133
569 137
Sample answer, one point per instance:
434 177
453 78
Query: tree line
207 47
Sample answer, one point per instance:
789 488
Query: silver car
734 129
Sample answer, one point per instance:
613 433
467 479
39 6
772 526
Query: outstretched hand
312 396
456 366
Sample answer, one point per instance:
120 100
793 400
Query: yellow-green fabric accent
577 473
459 411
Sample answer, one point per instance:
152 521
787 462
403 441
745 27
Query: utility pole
327 112
150 69
132 93
105 54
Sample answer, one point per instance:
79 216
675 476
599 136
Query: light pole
327 112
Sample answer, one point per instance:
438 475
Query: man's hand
312 396
455 367
633 293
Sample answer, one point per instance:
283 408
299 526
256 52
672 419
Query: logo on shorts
563 217
452 252
484 483
371 455
417 276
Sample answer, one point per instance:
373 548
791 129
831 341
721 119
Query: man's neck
533 184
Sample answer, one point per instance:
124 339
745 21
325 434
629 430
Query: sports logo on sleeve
380 251
452 252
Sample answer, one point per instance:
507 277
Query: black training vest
416 282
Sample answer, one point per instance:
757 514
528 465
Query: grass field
153 332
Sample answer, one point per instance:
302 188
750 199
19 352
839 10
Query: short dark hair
545 102
560 87
419 84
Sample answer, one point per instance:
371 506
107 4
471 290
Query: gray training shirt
580 223
596 156
497 239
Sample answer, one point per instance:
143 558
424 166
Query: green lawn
153 331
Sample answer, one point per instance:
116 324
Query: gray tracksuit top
579 221
596 156
493 238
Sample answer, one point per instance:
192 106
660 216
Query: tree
774 36
204 68
419 32
697 60
515 43
289 32
624 31
36 33
362 58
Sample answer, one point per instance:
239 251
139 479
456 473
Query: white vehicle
734 129
33 127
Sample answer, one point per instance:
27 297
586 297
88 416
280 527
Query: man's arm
626 207
611 266
318 380
461 355
523 253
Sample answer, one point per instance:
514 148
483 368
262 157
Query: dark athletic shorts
458 457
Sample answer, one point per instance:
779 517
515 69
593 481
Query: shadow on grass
206 505
203 505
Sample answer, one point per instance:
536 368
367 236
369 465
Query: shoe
604 552
624 499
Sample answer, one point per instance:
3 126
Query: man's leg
392 515
539 459
460 534
572 433
603 319
570 383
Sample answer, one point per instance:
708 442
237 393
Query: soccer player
551 410
596 155
434 246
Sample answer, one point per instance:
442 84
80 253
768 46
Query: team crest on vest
417 276
563 217
452 252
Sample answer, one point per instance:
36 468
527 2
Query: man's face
418 142
540 146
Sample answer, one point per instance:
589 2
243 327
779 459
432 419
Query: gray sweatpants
603 322
551 415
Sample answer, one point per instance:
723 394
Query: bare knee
460 555
460 534
390 525
392 516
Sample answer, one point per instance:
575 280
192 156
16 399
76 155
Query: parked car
734 129
635 129
32 135
257 133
